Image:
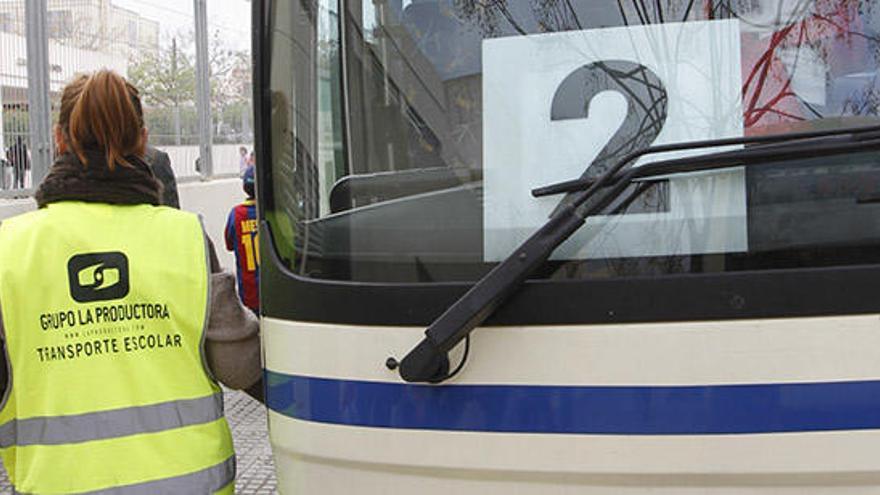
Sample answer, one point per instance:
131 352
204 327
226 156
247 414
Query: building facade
84 36
95 25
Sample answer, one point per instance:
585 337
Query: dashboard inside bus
406 136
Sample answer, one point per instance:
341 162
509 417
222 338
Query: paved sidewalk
256 471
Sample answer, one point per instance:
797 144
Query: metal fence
191 64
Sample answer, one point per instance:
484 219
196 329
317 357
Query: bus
570 246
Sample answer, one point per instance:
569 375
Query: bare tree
81 30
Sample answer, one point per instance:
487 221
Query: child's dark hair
247 182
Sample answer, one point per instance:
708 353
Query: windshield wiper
780 140
429 362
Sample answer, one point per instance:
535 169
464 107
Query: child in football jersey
241 237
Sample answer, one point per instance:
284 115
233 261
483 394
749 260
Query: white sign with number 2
556 104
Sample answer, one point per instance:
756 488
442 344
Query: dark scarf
70 180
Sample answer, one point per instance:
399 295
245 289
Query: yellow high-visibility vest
105 310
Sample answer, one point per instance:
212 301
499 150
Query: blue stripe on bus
650 410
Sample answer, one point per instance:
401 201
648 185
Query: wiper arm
429 362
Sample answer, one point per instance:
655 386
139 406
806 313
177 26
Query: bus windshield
406 136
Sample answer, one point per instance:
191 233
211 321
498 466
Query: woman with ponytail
116 320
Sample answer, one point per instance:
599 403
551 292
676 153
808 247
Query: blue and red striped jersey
241 237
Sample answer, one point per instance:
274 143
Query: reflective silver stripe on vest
116 423
206 481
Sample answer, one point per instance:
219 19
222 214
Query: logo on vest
98 276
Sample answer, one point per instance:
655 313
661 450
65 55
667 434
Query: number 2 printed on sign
646 99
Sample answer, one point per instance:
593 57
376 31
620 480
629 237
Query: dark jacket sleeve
161 165
4 362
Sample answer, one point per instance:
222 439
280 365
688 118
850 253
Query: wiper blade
429 361
742 157
794 139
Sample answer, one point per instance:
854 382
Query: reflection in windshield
801 61
465 105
